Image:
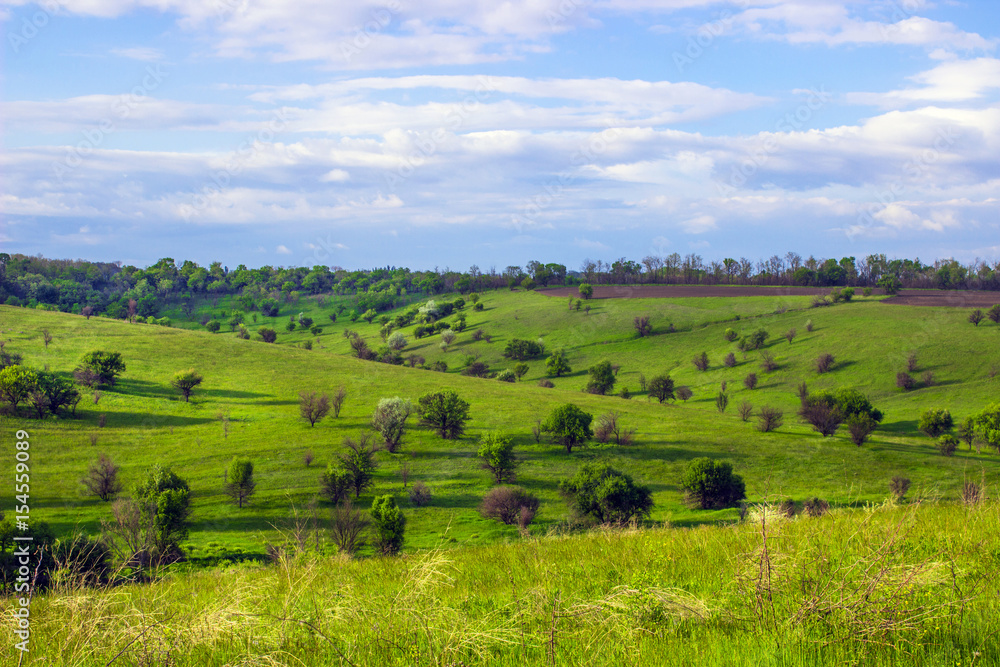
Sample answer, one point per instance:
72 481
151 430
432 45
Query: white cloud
950 82
282 250
144 53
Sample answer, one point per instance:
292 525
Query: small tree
338 401
967 431
389 420
750 381
824 363
17 384
347 525
711 484
267 334
106 366
510 505
420 494
213 325
569 425
607 495
768 362
185 382
769 419
101 479
87 311
721 401
898 486
396 341
497 452
445 412
642 326
904 381
609 426
976 316
520 350
947 444
557 365
586 290
701 361
520 370
935 422
46 338
822 413
790 335
388 525
336 483
730 335
602 378
745 410
860 427
313 407
164 502
994 314
661 388
684 393
729 361
240 484
359 461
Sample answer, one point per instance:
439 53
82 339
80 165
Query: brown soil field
906 297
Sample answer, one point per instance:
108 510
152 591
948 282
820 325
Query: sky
448 133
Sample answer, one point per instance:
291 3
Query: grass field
254 386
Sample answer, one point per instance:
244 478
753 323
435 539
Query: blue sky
455 132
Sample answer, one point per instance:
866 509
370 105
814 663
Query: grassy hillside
882 586
254 386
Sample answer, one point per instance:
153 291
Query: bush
185 382
904 381
520 370
754 341
898 486
769 419
547 384
602 378
976 316
721 401
105 367
935 422
684 393
511 505
396 341
585 290
642 326
440 366
497 452
860 427
388 525
609 427
389 420
947 444
313 407
520 350
506 375
750 381
710 484
267 334
213 325
569 425
822 413
101 479
790 335
824 363
731 335
359 462
767 362
927 378
477 369
815 507
240 485
701 361
445 412
661 388
557 364
164 502
994 314
336 483
607 495
745 410
420 494
729 361
809 326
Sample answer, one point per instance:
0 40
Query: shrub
520 370
815 507
721 401
790 335
927 378
440 366
607 495
308 458
767 362
389 420
661 387
802 391
313 407
824 363
105 367
911 362
609 427
853 403
822 413
557 364
545 383
585 290
396 341
388 525
569 425
419 331
994 314
478 306
935 422
642 326
710 484
511 505
769 419
164 502
750 381
625 393
976 316
684 393
754 341
642 382
101 479
898 486
731 335
602 378
213 325
267 334
745 410
17 383
860 427
420 494
335 484
359 462
729 361
809 325
360 347
497 452
185 382
445 412
506 375
947 444
967 431
477 369
904 381
307 345
346 527
701 361
338 401
53 393
240 485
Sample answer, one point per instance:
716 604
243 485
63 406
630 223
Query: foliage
267 334
520 350
396 341
388 525
585 290
661 388
822 413
359 461
750 381
240 484
569 426
511 505
445 412
336 483
420 494
164 500
904 381
602 378
730 335
106 366
935 421
711 484
557 364
824 363
947 444
642 326
988 424
684 393
313 407
607 495
754 341
976 316
701 361
721 401
898 486
745 410
729 361
860 427
185 382
769 419
389 420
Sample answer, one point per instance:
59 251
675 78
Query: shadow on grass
145 419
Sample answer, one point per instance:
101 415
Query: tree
497 452
701 361
88 311
821 411
520 370
164 502
976 316
101 479
359 461
586 290
46 338
609 425
445 412
967 430
336 483
213 325
947 444
511 505
860 427
240 485
17 383
994 314
105 366
661 388
55 392
988 424
520 350
642 326
185 382
396 341
711 484
889 283
313 407
569 425
602 378
557 364
935 421
607 495
388 525
852 403
389 420
346 527
267 334
769 419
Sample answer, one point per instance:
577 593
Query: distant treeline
103 288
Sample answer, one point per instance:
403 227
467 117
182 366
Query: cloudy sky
452 132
